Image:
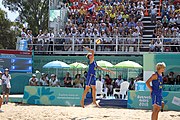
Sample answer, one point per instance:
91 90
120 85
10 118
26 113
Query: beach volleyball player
156 89
91 77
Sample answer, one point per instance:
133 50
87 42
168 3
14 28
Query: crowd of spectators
89 20
78 81
166 28
53 81
108 83
171 79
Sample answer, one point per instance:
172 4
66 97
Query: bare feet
97 104
82 103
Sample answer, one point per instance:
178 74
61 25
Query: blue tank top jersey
92 68
157 85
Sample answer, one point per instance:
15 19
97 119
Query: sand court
32 112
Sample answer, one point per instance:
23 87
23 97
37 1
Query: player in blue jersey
156 89
91 77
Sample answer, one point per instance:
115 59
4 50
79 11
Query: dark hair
107 75
78 75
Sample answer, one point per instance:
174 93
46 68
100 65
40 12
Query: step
149 26
146 41
148 30
150 16
147 36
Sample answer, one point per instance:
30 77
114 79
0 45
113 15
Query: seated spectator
152 46
165 80
67 80
165 21
171 78
132 84
78 82
1 78
54 81
178 79
44 81
84 78
108 84
33 81
102 80
118 82
158 45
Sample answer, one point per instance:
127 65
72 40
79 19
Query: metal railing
107 45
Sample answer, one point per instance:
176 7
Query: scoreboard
16 61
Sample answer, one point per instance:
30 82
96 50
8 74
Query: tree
7 36
34 12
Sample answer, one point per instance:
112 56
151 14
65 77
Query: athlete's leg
162 107
84 95
94 93
3 98
0 102
155 112
7 98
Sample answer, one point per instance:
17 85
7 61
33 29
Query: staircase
148 28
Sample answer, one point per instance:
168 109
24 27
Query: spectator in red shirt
108 84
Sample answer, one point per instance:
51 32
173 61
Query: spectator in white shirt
102 80
51 39
44 81
173 20
23 33
153 14
33 81
54 81
158 45
118 82
30 39
151 46
0 96
6 85
40 40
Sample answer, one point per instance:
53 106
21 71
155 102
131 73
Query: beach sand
31 112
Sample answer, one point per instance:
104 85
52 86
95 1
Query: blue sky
11 15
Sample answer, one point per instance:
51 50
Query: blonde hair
160 65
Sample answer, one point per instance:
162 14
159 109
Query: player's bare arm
88 49
153 77
106 70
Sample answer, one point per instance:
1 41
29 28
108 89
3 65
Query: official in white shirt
118 82
54 81
33 81
6 85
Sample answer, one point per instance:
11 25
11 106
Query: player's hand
111 72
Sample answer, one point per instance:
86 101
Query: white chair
123 89
99 90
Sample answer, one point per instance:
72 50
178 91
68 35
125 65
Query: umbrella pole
128 75
56 71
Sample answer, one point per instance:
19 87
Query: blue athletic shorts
91 80
156 99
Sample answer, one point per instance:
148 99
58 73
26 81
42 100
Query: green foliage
34 12
7 36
